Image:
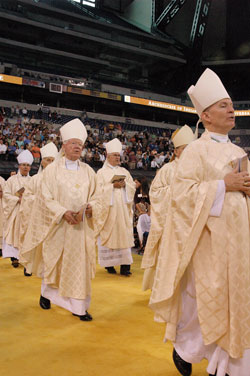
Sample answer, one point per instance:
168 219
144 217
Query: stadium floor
121 340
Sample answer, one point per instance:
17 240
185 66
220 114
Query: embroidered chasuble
11 208
68 251
159 194
2 183
31 260
217 248
113 214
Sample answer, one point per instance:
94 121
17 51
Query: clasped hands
237 181
74 218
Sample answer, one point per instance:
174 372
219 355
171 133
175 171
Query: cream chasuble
216 248
159 194
68 250
2 183
113 216
11 210
31 260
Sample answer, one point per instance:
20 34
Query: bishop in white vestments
202 281
113 218
12 197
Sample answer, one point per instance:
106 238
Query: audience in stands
24 129
143 147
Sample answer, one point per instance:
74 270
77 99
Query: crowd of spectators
18 132
140 150
22 129
144 148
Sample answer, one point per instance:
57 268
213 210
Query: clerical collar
23 176
109 165
217 137
71 165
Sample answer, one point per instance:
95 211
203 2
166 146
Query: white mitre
182 136
113 146
208 90
73 129
49 150
25 157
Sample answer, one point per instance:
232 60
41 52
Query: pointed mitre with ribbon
49 150
25 157
208 90
73 129
113 146
182 136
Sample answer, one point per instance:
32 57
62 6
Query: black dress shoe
44 303
183 367
125 270
26 274
111 270
1 253
14 262
86 317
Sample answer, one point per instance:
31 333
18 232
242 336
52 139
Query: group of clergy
53 220
197 257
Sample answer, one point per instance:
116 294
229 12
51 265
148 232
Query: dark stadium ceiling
165 51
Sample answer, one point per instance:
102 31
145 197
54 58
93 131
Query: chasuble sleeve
192 196
130 188
160 186
91 195
102 201
47 190
26 206
10 201
159 198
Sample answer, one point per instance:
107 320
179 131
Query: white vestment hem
9 251
76 306
189 343
113 257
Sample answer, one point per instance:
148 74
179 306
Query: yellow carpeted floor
121 340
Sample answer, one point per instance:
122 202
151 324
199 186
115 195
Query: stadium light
90 3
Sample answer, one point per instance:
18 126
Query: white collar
109 165
217 137
71 165
23 176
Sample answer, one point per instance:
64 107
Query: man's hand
20 199
237 181
70 217
88 211
79 216
119 184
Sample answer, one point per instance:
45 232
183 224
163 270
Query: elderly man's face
73 149
114 159
219 117
24 169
